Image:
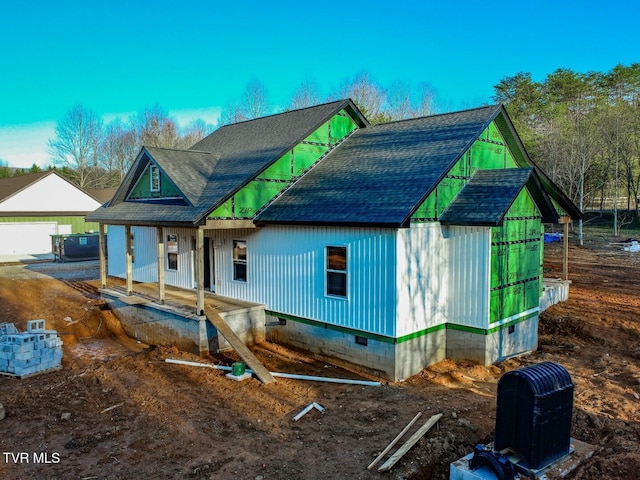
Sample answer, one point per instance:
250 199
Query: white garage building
37 205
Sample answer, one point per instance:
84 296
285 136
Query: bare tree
195 131
154 128
399 105
232 112
426 100
306 95
254 103
367 95
76 145
119 148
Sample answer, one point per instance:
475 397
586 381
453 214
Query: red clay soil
117 410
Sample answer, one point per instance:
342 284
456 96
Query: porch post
129 258
161 294
565 250
103 256
200 271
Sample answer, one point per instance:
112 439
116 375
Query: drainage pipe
293 376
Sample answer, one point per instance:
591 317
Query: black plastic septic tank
533 415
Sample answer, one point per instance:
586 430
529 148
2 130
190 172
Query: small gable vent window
240 260
154 178
337 271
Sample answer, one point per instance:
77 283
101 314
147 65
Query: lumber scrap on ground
394 441
393 459
238 345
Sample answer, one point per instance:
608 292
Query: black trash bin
533 416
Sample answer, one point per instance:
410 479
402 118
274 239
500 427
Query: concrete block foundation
383 359
486 349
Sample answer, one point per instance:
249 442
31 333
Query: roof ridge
177 149
343 100
495 106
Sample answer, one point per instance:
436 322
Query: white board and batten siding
286 271
145 249
469 276
442 277
399 282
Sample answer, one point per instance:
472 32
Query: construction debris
113 407
26 353
410 443
394 441
307 409
238 345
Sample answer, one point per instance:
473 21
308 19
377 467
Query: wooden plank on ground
238 345
394 441
393 459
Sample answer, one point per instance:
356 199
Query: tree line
93 154
583 129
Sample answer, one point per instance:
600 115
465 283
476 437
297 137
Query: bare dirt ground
118 411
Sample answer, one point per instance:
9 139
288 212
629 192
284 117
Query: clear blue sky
117 57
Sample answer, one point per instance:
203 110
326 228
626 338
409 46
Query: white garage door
27 238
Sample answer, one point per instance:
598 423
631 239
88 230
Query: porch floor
180 299
555 291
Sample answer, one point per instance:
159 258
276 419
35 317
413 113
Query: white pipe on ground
293 376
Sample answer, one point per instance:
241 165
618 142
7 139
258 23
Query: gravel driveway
89 270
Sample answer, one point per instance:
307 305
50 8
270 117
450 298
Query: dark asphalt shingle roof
378 176
486 197
220 164
382 173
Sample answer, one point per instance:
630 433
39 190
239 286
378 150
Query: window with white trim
172 252
240 260
336 271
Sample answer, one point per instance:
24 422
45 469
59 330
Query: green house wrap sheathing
516 256
488 152
247 201
142 189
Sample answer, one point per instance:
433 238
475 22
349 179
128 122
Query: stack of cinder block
29 352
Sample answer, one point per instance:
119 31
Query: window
132 247
172 252
337 271
240 260
154 178
362 340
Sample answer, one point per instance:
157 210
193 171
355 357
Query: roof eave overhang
145 223
309 223
472 223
